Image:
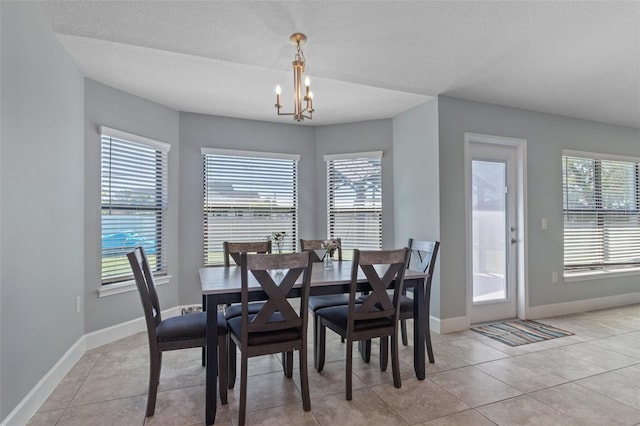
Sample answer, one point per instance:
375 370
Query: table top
223 279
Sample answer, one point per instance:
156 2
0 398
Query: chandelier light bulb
278 89
307 81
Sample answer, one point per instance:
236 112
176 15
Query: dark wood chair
377 315
276 327
179 332
320 302
232 251
423 258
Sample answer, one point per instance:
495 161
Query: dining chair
320 302
179 332
377 315
232 251
423 258
276 327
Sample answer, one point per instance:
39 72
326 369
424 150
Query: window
134 202
247 197
601 199
354 200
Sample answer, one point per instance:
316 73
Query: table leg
419 324
211 397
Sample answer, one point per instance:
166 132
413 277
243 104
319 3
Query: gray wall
375 135
546 136
416 184
197 131
106 106
42 199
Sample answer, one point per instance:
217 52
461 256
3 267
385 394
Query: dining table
221 285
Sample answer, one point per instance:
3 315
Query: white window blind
247 197
134 202
354 200
601 200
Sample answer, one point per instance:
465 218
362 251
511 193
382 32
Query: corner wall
42 199
416 182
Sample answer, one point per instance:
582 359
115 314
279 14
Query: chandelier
299 62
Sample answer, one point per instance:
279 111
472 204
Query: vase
328 262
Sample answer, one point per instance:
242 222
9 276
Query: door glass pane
489 230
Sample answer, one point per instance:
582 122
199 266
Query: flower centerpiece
277 238
330 246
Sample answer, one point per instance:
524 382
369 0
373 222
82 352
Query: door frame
521 285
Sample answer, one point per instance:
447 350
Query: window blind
354 200
247 197
134 202
601 200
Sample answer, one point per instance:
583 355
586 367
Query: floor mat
520 332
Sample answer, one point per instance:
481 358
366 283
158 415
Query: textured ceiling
366 59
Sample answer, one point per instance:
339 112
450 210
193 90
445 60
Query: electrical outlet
544 224
554 277
78 304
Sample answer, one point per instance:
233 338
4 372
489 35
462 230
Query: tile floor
592 378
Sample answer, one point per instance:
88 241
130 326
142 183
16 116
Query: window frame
113 284
595 270
212 238
332 230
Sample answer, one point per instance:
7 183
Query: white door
492 234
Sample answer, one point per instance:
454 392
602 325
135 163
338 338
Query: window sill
127 286
596 275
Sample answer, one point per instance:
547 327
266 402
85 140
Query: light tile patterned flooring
592 378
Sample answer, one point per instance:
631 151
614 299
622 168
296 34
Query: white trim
119 331
555 309
37 396
346 156
30 404
600 274
600 156
127 286
520 145
119 134
449 325
258 154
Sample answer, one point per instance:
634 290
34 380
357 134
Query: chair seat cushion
187 327
320 302
337 315
265 337
236 310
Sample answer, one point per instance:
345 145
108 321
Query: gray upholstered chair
232 251
377 315
276 327
179 332
320 302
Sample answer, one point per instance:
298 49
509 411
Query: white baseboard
41 391
449 325
119 331
555 309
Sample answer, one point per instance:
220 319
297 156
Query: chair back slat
383 269
311 245
146 289
232 250
276 274
423 255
